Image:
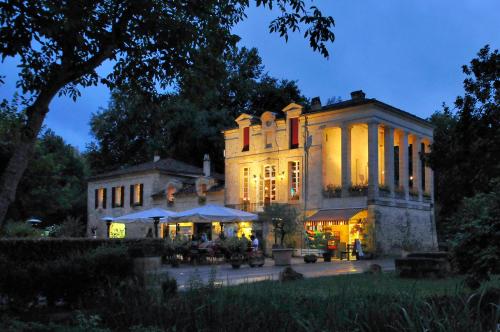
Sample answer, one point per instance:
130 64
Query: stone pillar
403 163
372 160
389 158
417 166
346 159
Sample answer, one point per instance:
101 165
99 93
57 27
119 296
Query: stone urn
282 256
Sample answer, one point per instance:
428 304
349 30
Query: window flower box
332 191
358 190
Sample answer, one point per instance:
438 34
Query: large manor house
354 169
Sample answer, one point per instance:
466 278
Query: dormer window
268 136
170 195
294 133
246 139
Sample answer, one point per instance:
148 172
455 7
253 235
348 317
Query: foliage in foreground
345 303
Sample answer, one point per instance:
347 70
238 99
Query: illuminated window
269 184
246 139
246 184
170 194
100 198
117 194
294 171
117 231
136 194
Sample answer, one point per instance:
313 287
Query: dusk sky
405 53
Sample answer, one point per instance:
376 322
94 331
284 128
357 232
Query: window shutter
294 133
96 198
122 198
105 194
131 195
246 139
113 194
141 186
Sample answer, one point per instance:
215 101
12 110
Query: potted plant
236 249
283 217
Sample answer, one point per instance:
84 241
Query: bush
70 227
476 246
20 229
46 249
75 278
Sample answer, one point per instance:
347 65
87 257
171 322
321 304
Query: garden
364 302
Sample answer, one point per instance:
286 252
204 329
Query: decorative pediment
293 110
244 120
268 120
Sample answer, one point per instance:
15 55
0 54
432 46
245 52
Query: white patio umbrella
154 215
146 215
211 212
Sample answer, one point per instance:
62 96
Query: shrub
70 227
44 249
75 278
20 230
476 245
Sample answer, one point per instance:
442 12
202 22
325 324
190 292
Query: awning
209 213
335 214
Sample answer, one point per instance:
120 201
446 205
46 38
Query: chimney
357 95
206 165
156 157
316 104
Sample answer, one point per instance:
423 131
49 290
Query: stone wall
402 228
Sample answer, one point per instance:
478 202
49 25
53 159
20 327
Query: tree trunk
23 151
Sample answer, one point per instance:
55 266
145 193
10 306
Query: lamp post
156 221
108 221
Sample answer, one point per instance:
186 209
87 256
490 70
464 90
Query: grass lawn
360 302
361 285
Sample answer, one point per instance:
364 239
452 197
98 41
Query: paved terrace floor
226 275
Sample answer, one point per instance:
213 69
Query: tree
187 124
53 186
61 43
283 217
465 154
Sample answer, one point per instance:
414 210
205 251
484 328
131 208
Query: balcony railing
248 207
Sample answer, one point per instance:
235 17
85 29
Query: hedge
47 249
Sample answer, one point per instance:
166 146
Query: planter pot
236 261
310 258
257 260
327 256
282 256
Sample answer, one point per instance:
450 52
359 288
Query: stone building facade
354 168
166 183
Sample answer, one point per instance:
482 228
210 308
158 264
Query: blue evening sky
405 53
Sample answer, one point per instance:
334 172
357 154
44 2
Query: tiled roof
167 165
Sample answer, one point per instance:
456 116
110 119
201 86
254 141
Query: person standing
255 242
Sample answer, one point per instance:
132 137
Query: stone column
389 158
372 160
403 163
417 166
346 159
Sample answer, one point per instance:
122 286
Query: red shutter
246 138
105 194
131 195
96 198
294 133
113 194
122 198
142 194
